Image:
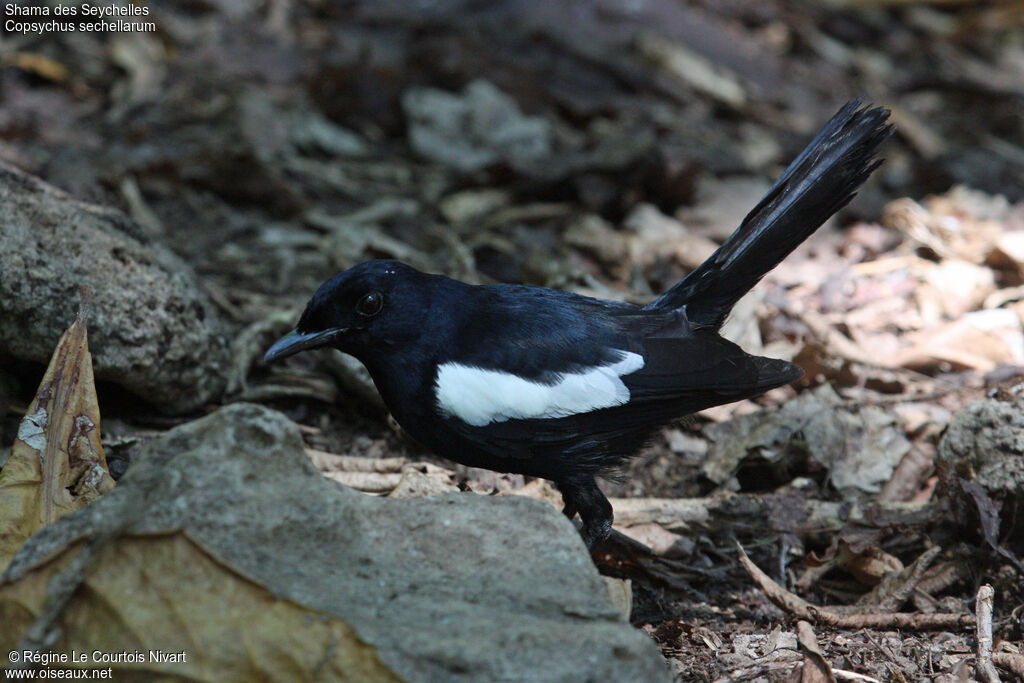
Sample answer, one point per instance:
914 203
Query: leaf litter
57 464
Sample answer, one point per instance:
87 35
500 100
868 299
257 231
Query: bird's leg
570 505
595 510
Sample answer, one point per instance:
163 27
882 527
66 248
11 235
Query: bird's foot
594 509
595 532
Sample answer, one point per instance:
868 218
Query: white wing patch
479 397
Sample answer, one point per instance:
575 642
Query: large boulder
460 587
151 327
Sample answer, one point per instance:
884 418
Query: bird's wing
699 369
681 375
546 356
541 354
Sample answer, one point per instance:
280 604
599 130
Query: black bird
566 387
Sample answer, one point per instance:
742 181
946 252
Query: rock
989 436
151 328
620 592
458 587
418 484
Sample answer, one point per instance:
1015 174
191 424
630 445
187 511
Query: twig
896 589
942 576
1010 662
983 612
735 511
332 462
853 676
804 610
367 482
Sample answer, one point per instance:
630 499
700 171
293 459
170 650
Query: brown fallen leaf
223 626
816 667
651 236
38 64
659 539
692 69
870 566
57 463
539 489
961 224
979 341
911 476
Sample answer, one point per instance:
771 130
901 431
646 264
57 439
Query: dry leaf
57 464
40 65
224 627
651 236
870 566
979 341
961 224
816 667
693 69
960 286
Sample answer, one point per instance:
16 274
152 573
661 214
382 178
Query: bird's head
372 304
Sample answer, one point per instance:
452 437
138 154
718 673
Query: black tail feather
819 182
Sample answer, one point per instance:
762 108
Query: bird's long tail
819 182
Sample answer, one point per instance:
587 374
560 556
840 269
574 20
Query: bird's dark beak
296 341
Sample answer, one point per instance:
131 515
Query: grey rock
989 435
460 587
151 328
470 131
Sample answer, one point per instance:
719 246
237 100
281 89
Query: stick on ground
799 607
983 612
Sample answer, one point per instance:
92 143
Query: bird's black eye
370 304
